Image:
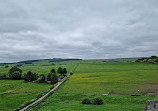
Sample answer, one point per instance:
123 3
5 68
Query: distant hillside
40 61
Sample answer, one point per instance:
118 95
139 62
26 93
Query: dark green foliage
6 66
49 77
15 73
41 79
86 101
59 70
52 71
30 76
62 71
54 78
97 101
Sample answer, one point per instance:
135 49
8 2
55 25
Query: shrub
30 76
97 101
86 101
15 73
41 79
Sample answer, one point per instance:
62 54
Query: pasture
118 80
16 93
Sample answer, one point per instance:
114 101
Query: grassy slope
15 93
93 80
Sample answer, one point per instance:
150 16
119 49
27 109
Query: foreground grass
72 102
16 93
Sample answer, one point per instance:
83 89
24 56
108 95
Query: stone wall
151 105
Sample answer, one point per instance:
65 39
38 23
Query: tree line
15 73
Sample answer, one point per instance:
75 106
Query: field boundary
25 108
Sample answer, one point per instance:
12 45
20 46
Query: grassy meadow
16 93
118 80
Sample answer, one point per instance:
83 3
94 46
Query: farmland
113 82
16 93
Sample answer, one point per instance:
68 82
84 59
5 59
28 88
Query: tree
52 71
6 66
49 77
64 71
59 70
42 78
54 78
15 73
30 76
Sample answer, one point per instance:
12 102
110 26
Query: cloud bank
33 29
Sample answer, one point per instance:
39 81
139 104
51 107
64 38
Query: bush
15 73
97 101
86 101
30 76
41 79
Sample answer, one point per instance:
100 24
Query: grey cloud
77 29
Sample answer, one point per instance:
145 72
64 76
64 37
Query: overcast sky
44 29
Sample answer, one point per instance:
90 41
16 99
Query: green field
40 68
98 79
16 93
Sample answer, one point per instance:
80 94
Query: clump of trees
62 71
152 59
15 73
29 77
95 101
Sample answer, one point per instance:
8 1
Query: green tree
54 78
30 76
64 71
60 70
15 73
52 71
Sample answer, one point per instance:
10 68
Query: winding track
47 94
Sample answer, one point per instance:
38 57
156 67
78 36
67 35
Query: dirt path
47 94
